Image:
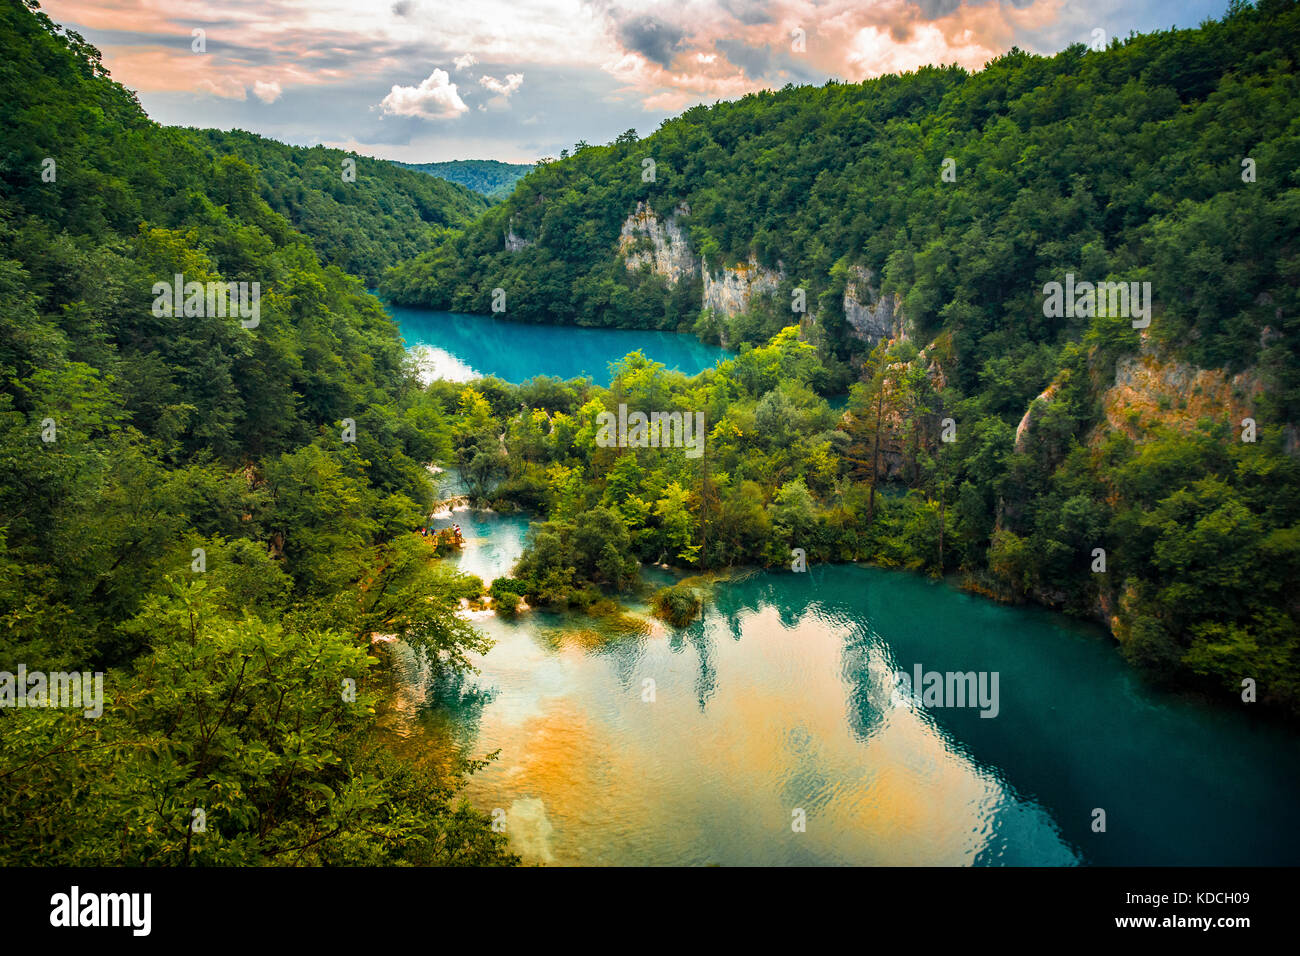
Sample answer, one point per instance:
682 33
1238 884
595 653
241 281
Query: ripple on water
780 700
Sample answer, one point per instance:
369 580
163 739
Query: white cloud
512 82
267 92
874 51
226 87
435 98
465 60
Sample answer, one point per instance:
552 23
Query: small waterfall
444 508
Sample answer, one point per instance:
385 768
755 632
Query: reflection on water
779 700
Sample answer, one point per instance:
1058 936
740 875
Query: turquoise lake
462 347
781 701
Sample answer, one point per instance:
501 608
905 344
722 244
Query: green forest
490 177
179 507
221 517
385 215
1125 164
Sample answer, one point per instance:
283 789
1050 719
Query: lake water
782 700
460 347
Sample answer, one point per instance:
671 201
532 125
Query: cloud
512 82
655 39
223 86
300 43
678 54
634 59
874 51
435 98
267 92
933 9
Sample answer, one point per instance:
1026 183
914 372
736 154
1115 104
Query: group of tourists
450 535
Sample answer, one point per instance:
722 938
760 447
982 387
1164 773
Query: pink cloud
668 55
847 39
266 92
504 87
169 64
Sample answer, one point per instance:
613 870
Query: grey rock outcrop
730 292
669 251
515 243
1027 420
871 316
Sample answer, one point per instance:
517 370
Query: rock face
645 240
663 246
513 242
669 253
1151 388
1027 421
892 426
731 291
871 316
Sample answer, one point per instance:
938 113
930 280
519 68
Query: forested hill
1140 467
1123 163
195 502
363 226
490 177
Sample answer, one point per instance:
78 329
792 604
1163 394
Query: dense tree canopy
1167 158
490 177
362 225
215 514
1123 163
218 515
1201 531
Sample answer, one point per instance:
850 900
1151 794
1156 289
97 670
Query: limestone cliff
1152 389
1026 421
871 316
662 244
730 292
514 243
645 240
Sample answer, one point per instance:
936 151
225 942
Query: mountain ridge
489 177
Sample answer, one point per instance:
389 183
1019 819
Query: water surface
460 347
781 700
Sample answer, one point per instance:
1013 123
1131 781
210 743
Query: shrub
507 603
677 605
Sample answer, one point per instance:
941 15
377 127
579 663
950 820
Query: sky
516 80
